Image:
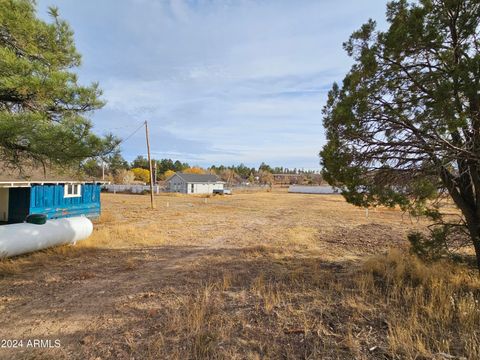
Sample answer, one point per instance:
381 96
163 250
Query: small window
73 190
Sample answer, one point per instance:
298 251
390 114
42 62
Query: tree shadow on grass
190 301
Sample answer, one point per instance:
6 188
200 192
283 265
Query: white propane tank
16 239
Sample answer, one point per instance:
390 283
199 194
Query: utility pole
103 170
152 203
154 165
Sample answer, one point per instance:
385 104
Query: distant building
56 199
194 183
312 189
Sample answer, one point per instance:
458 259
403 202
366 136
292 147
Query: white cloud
236 81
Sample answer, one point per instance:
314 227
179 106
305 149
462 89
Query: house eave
205 182
18 184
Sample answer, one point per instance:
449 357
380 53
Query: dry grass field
248 276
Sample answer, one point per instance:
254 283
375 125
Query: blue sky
220 82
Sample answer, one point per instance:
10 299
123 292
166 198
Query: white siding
218 186
312 189
204 188
177 184
135 189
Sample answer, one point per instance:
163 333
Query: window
192 188
73 190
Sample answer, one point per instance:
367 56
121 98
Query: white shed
194 183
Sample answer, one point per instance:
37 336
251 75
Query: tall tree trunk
477 251
473 225
474 230
465 199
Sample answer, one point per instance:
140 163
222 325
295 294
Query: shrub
443 240
141 174
168 173
428 247
194 170
124 177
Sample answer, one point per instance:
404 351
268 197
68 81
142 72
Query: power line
133 133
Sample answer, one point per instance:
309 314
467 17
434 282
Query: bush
142 174
443 240
124 177
194 170
168 174
429 247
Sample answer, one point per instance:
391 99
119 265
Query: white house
194 183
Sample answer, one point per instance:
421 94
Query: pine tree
43 109
404 128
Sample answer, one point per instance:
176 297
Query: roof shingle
198 178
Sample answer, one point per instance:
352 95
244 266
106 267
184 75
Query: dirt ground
247 276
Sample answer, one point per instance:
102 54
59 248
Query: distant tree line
115 168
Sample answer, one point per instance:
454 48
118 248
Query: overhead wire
133 133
